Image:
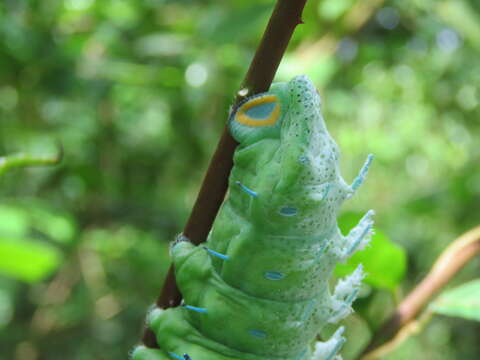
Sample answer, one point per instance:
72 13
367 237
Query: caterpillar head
287 154
289 112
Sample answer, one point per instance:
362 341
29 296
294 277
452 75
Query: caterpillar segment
258 289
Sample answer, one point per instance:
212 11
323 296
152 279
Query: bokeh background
138 92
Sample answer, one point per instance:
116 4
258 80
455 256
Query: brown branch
410 329
450 262
285 17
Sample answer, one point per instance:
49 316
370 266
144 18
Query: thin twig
450 262
285 17
22 160
409 329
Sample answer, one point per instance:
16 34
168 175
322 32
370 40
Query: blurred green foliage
462 301
138 92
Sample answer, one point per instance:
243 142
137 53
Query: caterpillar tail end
329 349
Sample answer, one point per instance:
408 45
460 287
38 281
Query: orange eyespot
260 111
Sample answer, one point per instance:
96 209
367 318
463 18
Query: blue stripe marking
246 189
217 254
288 211
175 356
327 191
308 310
351 297
194 308
184 357
337 347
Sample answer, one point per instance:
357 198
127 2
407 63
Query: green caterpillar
258 288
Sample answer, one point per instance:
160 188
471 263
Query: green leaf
59 227
462 301
27 260
18 220
13 221
383 261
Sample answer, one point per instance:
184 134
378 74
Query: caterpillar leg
329 349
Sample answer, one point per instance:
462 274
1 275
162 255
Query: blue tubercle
303 159
274 275
217 254
288 211
258 333
363 173
194 308
359 240
335 350
338 345
246 189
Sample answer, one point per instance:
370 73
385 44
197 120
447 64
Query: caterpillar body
258 288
